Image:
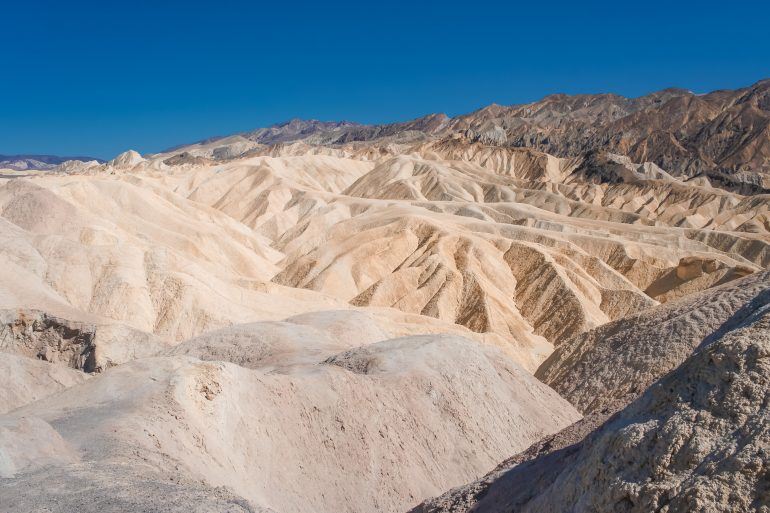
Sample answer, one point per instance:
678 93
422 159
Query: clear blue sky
96 78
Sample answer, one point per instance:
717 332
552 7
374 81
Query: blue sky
96 78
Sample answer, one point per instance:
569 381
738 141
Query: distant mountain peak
38 162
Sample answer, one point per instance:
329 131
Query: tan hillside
178 250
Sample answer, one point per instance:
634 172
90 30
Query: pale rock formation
127 160
373 428
84 346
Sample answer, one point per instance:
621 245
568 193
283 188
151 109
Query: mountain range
38 162
722 135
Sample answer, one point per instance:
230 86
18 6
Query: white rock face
127 160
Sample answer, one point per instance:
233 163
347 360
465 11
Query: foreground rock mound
373 428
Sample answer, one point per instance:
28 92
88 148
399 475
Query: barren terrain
509 310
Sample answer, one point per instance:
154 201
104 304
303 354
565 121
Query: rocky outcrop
696 440
84 346
38 335
619 360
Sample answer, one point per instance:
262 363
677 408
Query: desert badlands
557 306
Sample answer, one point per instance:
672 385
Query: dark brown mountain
724 135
